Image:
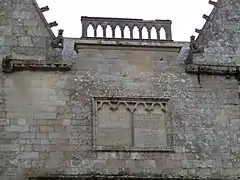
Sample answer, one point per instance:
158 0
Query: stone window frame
163 100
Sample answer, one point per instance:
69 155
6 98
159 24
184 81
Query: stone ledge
128 43
42 67
16 64
162 150
221 70
123 177
38 66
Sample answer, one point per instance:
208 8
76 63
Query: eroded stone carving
194 46
53 24
59 40
214 3
131 124
193 49
10 65
44 9
7 65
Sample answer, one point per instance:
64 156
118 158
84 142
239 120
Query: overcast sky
186 15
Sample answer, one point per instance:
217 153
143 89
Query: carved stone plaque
113 125
149 127
130 124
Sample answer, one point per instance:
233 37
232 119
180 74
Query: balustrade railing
127 28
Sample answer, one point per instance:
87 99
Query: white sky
186 15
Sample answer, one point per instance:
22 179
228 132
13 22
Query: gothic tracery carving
132 106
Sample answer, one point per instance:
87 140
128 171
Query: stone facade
123 107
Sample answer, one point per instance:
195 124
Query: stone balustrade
106 24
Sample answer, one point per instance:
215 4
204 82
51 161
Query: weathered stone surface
25 31
219 36
47 118
150 130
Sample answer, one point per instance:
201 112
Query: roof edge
43 18
211 16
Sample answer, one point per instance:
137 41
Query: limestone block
42 135
28 155
45 129
30 23
23 15
25 41
16 128
150 128
6 30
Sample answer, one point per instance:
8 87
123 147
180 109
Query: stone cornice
212 69
21 65
43 67
128 43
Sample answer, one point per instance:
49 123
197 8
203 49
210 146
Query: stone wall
32 106
47 116
72 123
220 35
24 31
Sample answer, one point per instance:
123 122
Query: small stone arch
117 32
109 31
144 33
126 32
99 31
90 31
136 33
153 33
162 33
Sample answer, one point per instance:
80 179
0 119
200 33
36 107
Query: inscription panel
131 124
149 128
113 125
